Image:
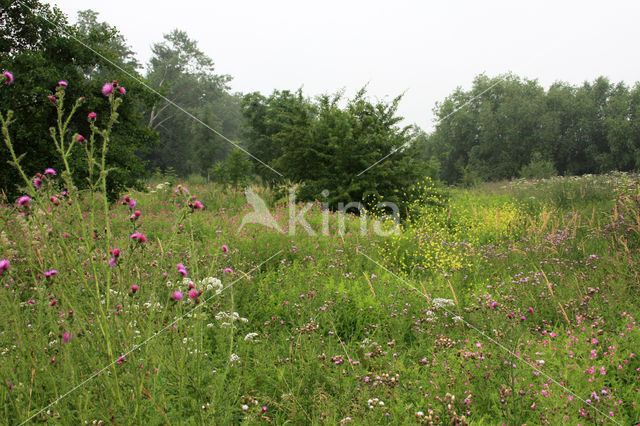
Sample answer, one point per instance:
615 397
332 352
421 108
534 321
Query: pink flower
107 89
37 182
122 90
113 261
228 271
22 201
8 77
4 265
66 337
114 252
181 269
132 204
53 99
92 116
50 172
134 288
51 273
139 237
62 83
225 248
193 294
80 138
177 295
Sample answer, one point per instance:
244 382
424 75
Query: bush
538 168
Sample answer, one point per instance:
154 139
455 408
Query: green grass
337 334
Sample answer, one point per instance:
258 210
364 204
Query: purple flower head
62 83
66 337
113 261
50 273
80 138
177 295
8 77
92 116
50 172
37 182
193 294
134 288
122 90
4 265
228 271
107 89
225 248
22 201
139 237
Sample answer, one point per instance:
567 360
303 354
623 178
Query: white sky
423 48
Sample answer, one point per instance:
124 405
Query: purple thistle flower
8 76
107 89
22 201
50 172
4 265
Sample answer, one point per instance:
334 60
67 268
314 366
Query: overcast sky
425 49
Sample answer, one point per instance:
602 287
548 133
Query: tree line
512 127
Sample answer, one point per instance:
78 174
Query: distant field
515 302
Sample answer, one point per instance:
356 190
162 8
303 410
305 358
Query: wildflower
244 407
122 90
139 237
197 205
134 288
235 358
22 201
107 89
114 252
80 138
92 116
37 182
264 408
132 204
193 294
225 248
8 77
66 337
53 99
181 269
4 265
50 273
250 337
62 83
50 172
177 295
228 271
113 261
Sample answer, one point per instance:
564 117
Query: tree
328 147
187 78
40 54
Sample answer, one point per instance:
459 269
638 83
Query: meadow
513 302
